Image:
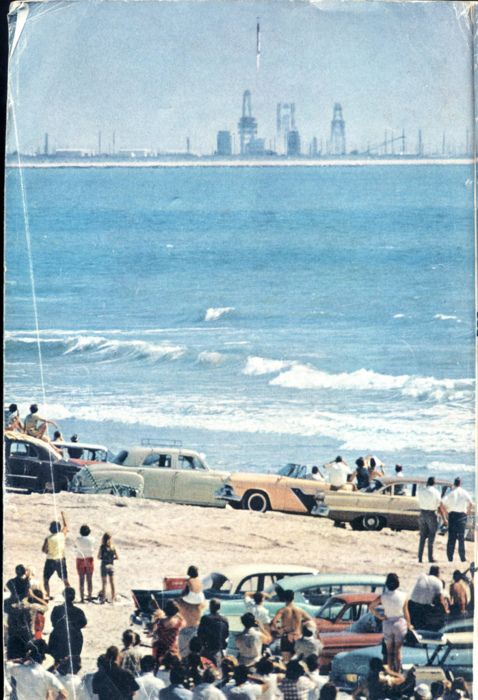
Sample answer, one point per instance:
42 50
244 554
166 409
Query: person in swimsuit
288 622
107 554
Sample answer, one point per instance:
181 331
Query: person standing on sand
35 425
166 632
54 548
395 617
459 505
111 682
107 554
429 500
288 622
213 632
85 561
66 637
30 679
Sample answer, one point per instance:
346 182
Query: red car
364 632
340 611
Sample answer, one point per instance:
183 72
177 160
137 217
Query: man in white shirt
429 500
427 587
338 470
207 690
149 685
29 680
459 505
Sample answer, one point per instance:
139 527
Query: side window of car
269 579
250 583
155 460
186 462
19 449
387 491
317 595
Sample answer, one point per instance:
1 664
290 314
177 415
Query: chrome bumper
227 493
321 510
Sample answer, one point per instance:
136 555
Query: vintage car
35 465
82 452
291 490
340 611
364 632
451 649
311 592
227 583
169 474
388 502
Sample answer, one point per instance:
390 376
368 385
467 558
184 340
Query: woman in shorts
107 554
85 562
395 619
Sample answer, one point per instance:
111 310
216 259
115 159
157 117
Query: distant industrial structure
224 143
286 144
337 132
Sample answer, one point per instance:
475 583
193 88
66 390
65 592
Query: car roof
298 582
386 480
16 436
138 452
240 570
350 598
82 445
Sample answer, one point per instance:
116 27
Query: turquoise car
311 592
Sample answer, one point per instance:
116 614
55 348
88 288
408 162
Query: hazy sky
158 72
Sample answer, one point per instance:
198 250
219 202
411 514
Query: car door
158 474
401 511
193 483
23 465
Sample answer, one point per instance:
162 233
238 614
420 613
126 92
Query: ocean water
260 315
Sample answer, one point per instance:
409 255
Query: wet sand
160 539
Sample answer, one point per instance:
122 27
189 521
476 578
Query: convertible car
340 611
366 631
166 473
292 490
36 465
388 502
82 452
451 649
227 583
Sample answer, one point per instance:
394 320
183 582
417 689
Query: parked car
451 648
82 452
389 502
291 490
169 474
340 611
364 632
311 592
227 583
35 465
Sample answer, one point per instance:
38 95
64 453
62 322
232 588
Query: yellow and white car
165 473
292 490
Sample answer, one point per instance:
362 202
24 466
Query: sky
159 72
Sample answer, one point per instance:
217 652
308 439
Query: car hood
255 479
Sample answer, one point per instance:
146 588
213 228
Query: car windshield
367 624
120 457
289 470
331 609
216 582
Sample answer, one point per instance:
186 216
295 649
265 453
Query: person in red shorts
85 561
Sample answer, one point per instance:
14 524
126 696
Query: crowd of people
190 655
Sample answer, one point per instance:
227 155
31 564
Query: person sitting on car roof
338 470
12 419
35 425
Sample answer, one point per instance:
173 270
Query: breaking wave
210 357
445 317
215 313
261 365
301 376
99 347
448 467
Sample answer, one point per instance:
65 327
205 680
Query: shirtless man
288 622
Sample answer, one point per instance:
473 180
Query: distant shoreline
213 163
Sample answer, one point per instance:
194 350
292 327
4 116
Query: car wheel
357 524
372 522
47 487
125 491
256 501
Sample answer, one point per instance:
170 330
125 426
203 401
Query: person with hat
422 692
430 502
459 505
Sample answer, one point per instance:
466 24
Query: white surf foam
459 467
214 313
210 357
446 317
261 365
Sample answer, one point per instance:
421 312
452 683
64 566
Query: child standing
107 554
85 552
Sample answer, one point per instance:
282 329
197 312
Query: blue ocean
260 315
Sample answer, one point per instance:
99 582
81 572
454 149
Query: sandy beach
160 539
